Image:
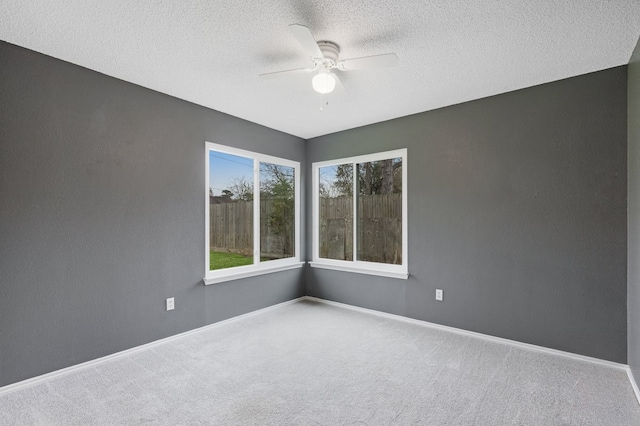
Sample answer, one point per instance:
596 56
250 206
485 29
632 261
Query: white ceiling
210 52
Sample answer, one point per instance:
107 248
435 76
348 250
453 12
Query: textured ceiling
210 52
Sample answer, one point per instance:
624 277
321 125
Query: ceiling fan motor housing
330 51
324 55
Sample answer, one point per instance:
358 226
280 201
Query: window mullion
296 225
256 212
354 219
316 212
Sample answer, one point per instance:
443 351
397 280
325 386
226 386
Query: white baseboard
94 362
58 373
491 339
634 385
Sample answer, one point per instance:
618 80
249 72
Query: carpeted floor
314 364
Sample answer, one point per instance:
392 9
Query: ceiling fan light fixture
323 82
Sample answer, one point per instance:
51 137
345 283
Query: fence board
231 228
379 228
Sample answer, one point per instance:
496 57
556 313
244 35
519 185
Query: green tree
240 188
374 177
277 183
380 177
336 181
277 190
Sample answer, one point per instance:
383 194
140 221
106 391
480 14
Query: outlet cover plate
438 294
170 304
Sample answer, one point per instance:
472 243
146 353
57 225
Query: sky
328 175
223 168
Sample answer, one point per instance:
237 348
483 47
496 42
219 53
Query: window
252 214
360 214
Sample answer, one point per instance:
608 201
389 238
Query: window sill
252 272
360 270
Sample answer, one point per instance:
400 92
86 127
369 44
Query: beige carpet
314 364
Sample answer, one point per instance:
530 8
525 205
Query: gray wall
517 210
633 114
102 215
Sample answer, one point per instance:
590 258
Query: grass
221 260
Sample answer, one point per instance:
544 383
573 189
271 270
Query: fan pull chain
322 103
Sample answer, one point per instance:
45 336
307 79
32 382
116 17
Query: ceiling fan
324 55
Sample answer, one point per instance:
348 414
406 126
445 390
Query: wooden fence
231 228
379 228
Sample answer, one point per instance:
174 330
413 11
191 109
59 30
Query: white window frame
258 267
359 266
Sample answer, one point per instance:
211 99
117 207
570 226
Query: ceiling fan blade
377 61
304 36
286 73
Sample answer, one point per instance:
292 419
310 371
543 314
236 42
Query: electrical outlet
438 294
170 304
